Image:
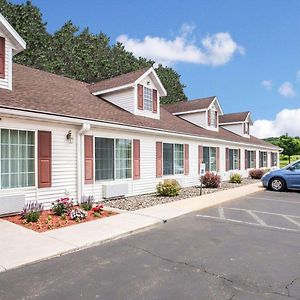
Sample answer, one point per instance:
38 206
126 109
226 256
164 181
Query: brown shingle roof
117 81
35 90
201 103
234 117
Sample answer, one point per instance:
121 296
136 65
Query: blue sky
245 52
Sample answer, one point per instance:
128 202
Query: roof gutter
74 120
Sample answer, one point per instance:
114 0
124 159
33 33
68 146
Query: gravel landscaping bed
143 201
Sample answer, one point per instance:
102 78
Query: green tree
79 55
290 145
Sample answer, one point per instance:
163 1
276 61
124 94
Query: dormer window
246 128
213 117
148 99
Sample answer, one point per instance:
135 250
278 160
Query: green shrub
211 180
32 216
87 202
86 206
62 206
168 188
235 178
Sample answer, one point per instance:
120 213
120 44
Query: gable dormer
137 92
238 123
203 112
10 44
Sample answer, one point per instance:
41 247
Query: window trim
144 93
24 188
113 179
173 149
233 161
209 147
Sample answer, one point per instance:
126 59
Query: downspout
80 158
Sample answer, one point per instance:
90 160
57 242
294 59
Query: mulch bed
49 221
142 201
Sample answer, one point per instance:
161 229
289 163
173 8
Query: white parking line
249 223
257 219
221 212
273 200
263 212
291 220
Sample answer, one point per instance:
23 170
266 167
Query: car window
297 166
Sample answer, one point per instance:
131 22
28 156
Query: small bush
31 211
98 209
235 178
168 188
78 214
32 216
87 202
211 180
62 206
96 214
256 173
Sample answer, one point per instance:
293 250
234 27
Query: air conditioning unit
11 204
113 190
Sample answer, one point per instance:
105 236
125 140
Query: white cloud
286 121
298 76
267 84
287 90
216 49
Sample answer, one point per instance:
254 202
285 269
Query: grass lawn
284 160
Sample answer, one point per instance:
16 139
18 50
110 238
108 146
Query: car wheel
277 184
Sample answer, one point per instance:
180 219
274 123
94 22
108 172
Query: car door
294 176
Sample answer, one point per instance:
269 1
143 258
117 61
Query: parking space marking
263 212
221 212
254 216
249 223
291 220
273 200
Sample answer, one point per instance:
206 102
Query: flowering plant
62 206
98 208
78 214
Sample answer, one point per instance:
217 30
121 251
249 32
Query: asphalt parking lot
246 249
268 209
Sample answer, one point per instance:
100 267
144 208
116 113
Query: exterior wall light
69 137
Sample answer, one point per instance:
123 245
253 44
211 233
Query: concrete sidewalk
21 246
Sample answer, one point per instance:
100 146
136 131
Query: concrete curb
78 237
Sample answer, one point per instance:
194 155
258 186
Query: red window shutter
216 119
154 95
136 159
208 118
44 159
88 159
239 159
246 159
140 97
227 159
218 158
2 57
186 159
200 157
158 159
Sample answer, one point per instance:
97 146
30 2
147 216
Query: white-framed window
263 159
233 159
113 158
173 159
250 159
148 99
210 158
17 158
213 117
246 128
274 159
